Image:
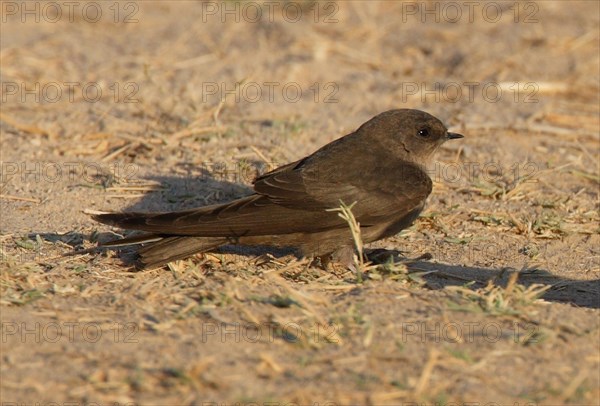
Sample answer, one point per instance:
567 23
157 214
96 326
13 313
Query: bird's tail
158 250
159 253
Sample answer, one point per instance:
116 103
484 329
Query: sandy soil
167 105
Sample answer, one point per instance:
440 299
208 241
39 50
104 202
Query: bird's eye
423 132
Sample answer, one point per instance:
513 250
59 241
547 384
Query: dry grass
513 299
359 265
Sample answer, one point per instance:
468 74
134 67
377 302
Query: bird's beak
452 136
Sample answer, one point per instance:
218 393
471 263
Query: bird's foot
382 255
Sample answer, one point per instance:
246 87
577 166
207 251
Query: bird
381 169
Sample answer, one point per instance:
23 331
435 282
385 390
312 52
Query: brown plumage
380 166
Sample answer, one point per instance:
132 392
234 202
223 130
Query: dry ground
518 197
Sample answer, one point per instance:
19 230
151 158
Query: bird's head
413 135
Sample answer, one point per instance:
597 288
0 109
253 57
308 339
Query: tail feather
157 254
158 250
138 239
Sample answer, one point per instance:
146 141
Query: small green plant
395 270
398 271
498 300
359 264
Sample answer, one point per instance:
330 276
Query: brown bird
381 166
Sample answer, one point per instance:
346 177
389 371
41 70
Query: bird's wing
249 216
391 188
293 199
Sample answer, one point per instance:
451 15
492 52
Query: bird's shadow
208 183
219 182
582 293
